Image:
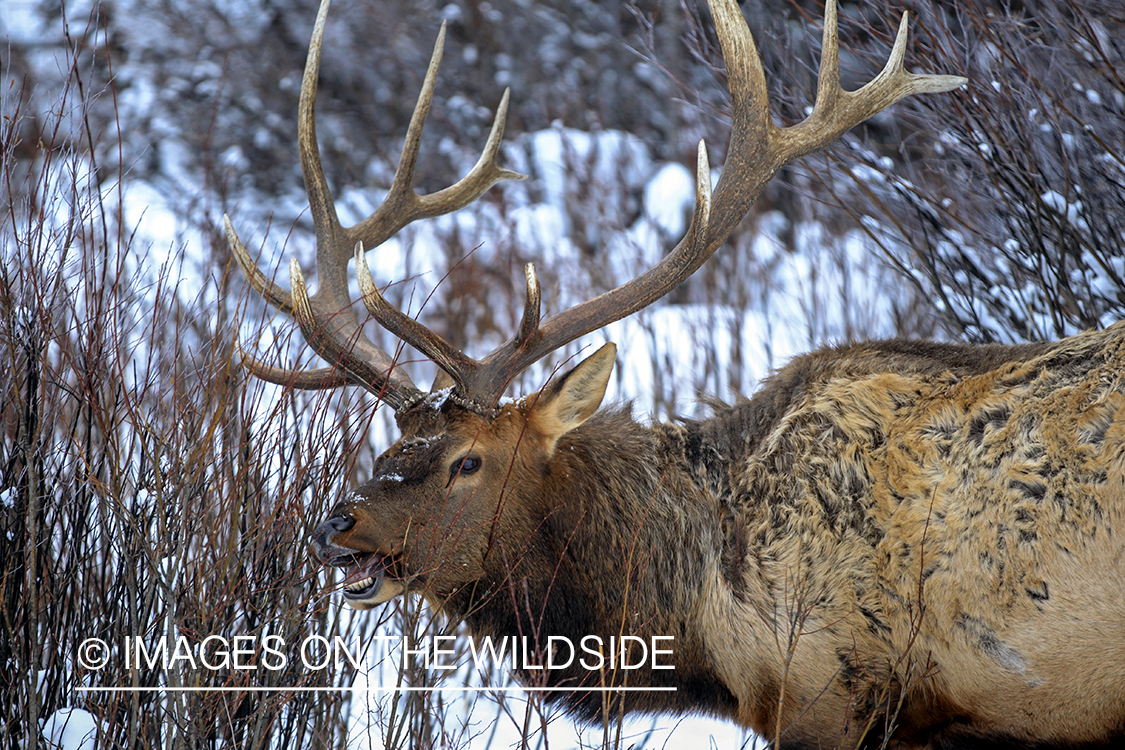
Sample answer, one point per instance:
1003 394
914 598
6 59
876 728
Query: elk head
471 479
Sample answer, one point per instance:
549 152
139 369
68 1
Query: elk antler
758 149
325 318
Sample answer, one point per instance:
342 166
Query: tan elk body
899 543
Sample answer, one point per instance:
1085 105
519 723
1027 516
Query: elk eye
465 466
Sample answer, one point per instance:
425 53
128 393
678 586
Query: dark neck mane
595 561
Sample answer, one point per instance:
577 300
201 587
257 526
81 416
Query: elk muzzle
365 572
324 548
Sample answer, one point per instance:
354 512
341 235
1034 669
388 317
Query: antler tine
758 149
331 253
322 378
529 322
402 205
444 355
345 346
836 111
274 294
532 343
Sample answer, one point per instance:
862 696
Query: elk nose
322 545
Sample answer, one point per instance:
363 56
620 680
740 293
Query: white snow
71 729
670 198
1072 210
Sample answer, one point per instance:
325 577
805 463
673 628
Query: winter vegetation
150 488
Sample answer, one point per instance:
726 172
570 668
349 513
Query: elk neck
627 535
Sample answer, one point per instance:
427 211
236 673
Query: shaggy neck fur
594 559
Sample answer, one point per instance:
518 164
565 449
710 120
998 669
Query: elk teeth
360 585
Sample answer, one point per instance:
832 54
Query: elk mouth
365 574
370 578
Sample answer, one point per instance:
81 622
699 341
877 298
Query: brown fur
917 543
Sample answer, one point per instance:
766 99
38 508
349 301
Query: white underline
380 689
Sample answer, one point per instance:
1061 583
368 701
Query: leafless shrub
1009 215
143 493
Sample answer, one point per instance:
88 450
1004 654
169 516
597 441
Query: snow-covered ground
70 729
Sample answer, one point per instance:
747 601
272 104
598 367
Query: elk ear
573 398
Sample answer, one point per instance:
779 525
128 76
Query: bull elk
895 542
